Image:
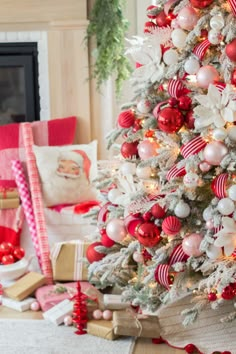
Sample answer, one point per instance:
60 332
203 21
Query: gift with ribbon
67 260
8 193
101 328
130 323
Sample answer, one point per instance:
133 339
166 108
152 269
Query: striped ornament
218 185
175 88
175 172
233 6
221 86
157 108
200 49
193 147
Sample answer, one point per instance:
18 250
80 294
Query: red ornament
93 255
106 241
171 225
170 120
190 348
233 77
163 20
18 253
172 101
219 184
147 216
7 259
204 34
157 211
148 234
126 119
131 223
79 315
184 103
151 13
149 26
189 120
103 213
5 249
201 4
129 150
212 297
230 50
228 293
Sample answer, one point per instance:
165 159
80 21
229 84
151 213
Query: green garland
108 26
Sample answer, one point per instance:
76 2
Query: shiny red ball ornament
219 185
5 248
148 234
228 293
201 4
190 348
149 26
184 103
147 216
163 20
129 150
170 120
106 241
149 11
132 222
233 77
18 253
212 297
126 119
189 120
157 211
92 255
171 225
230 50
7 259
172 101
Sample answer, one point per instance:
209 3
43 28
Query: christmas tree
168 221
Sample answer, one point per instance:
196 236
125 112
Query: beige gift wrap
67 261
101 328
128 323
11 203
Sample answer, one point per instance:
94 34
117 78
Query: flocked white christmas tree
168 221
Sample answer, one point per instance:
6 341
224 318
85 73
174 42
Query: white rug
43 337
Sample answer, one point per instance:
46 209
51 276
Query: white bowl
14 270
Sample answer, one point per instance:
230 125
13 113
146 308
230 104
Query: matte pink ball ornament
187 18
147 149
35 306
68 321
107 315
204 166
207 75
116 230
138 257
191 245
97 314
214 152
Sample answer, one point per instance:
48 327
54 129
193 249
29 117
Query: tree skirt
39 336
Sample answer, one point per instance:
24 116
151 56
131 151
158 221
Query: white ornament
116 230
144 106
225 206
219 134
191 66
232 192
178 37
138 257
170 57
143 172
232 133
217 22
113 194
214 37
182 210
191 180
213 252
207 214
128 168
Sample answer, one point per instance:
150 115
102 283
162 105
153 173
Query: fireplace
19 88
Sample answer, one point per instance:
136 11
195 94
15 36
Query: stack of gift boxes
9 198
108 316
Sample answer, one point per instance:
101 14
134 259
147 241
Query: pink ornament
214 152
147 149
68 321
107 315
191 245
35 306
209 224
138 257
204 166
207 75
116 230
187 18
97 314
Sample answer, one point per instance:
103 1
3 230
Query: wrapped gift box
57 313
114 302
25 286
128 323
101 328
8 193
51 295
67 263
10 203
21 306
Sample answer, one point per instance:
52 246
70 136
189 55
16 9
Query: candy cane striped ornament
200 49
175 88
193 147
218 185
175 172
232 4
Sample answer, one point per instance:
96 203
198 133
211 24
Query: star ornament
226 237
216 108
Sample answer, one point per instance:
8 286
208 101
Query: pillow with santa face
66 173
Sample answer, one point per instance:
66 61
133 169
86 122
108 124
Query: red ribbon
232 4
175 172
193 147
201 48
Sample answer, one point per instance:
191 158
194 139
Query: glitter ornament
126 119
187 18
147 149
228 292
68 321
170 120
182 210
170 57
191 245
191 66
171 225
116 230
207 75
214 152
191 180
230 50
201 4
148 234
144 106
178 37
129 150
225 206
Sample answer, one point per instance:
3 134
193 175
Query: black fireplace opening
19 87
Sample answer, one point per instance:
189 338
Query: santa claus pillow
66 173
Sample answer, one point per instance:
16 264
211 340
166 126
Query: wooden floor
142 346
